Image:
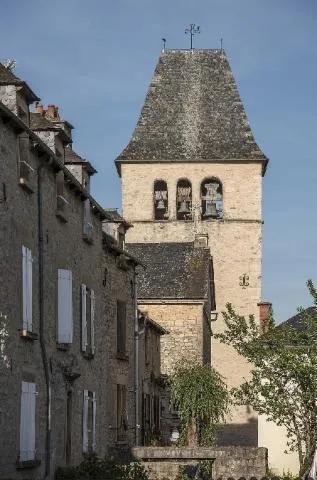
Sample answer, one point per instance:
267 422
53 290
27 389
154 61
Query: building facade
193 166
67 299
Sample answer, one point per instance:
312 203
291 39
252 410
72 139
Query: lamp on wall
213 316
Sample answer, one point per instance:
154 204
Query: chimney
265 314
52 112
201 240
39 108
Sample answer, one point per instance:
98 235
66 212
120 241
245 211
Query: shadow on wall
239 434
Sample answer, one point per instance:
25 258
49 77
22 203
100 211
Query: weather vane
192 30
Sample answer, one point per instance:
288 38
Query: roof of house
39 122
7 77
115 217
72 157
192 112
173 270
298 321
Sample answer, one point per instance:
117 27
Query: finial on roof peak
192 30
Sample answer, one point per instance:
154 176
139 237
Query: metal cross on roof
192 30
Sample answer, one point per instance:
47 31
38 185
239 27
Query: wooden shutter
84 339
92 321
85 421
27 422
65 306
27 267
93 421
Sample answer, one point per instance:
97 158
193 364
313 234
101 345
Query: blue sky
95 59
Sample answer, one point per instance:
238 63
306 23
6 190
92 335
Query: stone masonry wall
230 462
184 321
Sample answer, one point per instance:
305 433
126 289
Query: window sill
27 335
27 464
122 356
26 185
88 355
88 238
62 216
63 346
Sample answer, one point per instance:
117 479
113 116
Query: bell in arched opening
183 199
160 200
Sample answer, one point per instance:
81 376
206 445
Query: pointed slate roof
193 113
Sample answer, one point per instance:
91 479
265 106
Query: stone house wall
184 321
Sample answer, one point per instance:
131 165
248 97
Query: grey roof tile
173 270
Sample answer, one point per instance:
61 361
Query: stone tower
193 166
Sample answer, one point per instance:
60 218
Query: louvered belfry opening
160 200
183 199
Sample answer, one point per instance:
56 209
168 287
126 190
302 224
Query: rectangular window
122 416
65 307
121 328
87 320
27 267
89 421
27 422
87 221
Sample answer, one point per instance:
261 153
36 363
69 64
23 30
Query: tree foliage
200 396
283 382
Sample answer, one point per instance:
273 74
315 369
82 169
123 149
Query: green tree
283 381
200 396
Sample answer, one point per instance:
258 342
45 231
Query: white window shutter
84 340
94 421
85 421
27 267
27 422
92 320
65 306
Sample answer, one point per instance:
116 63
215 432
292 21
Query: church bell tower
193 166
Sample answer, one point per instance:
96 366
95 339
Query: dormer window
160 200
211 199
184 199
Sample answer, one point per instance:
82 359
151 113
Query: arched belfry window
183 199
211 199
160 200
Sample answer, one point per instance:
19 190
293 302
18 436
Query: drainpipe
41 320
136 360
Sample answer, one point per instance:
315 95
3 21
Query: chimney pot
39 108
265 313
